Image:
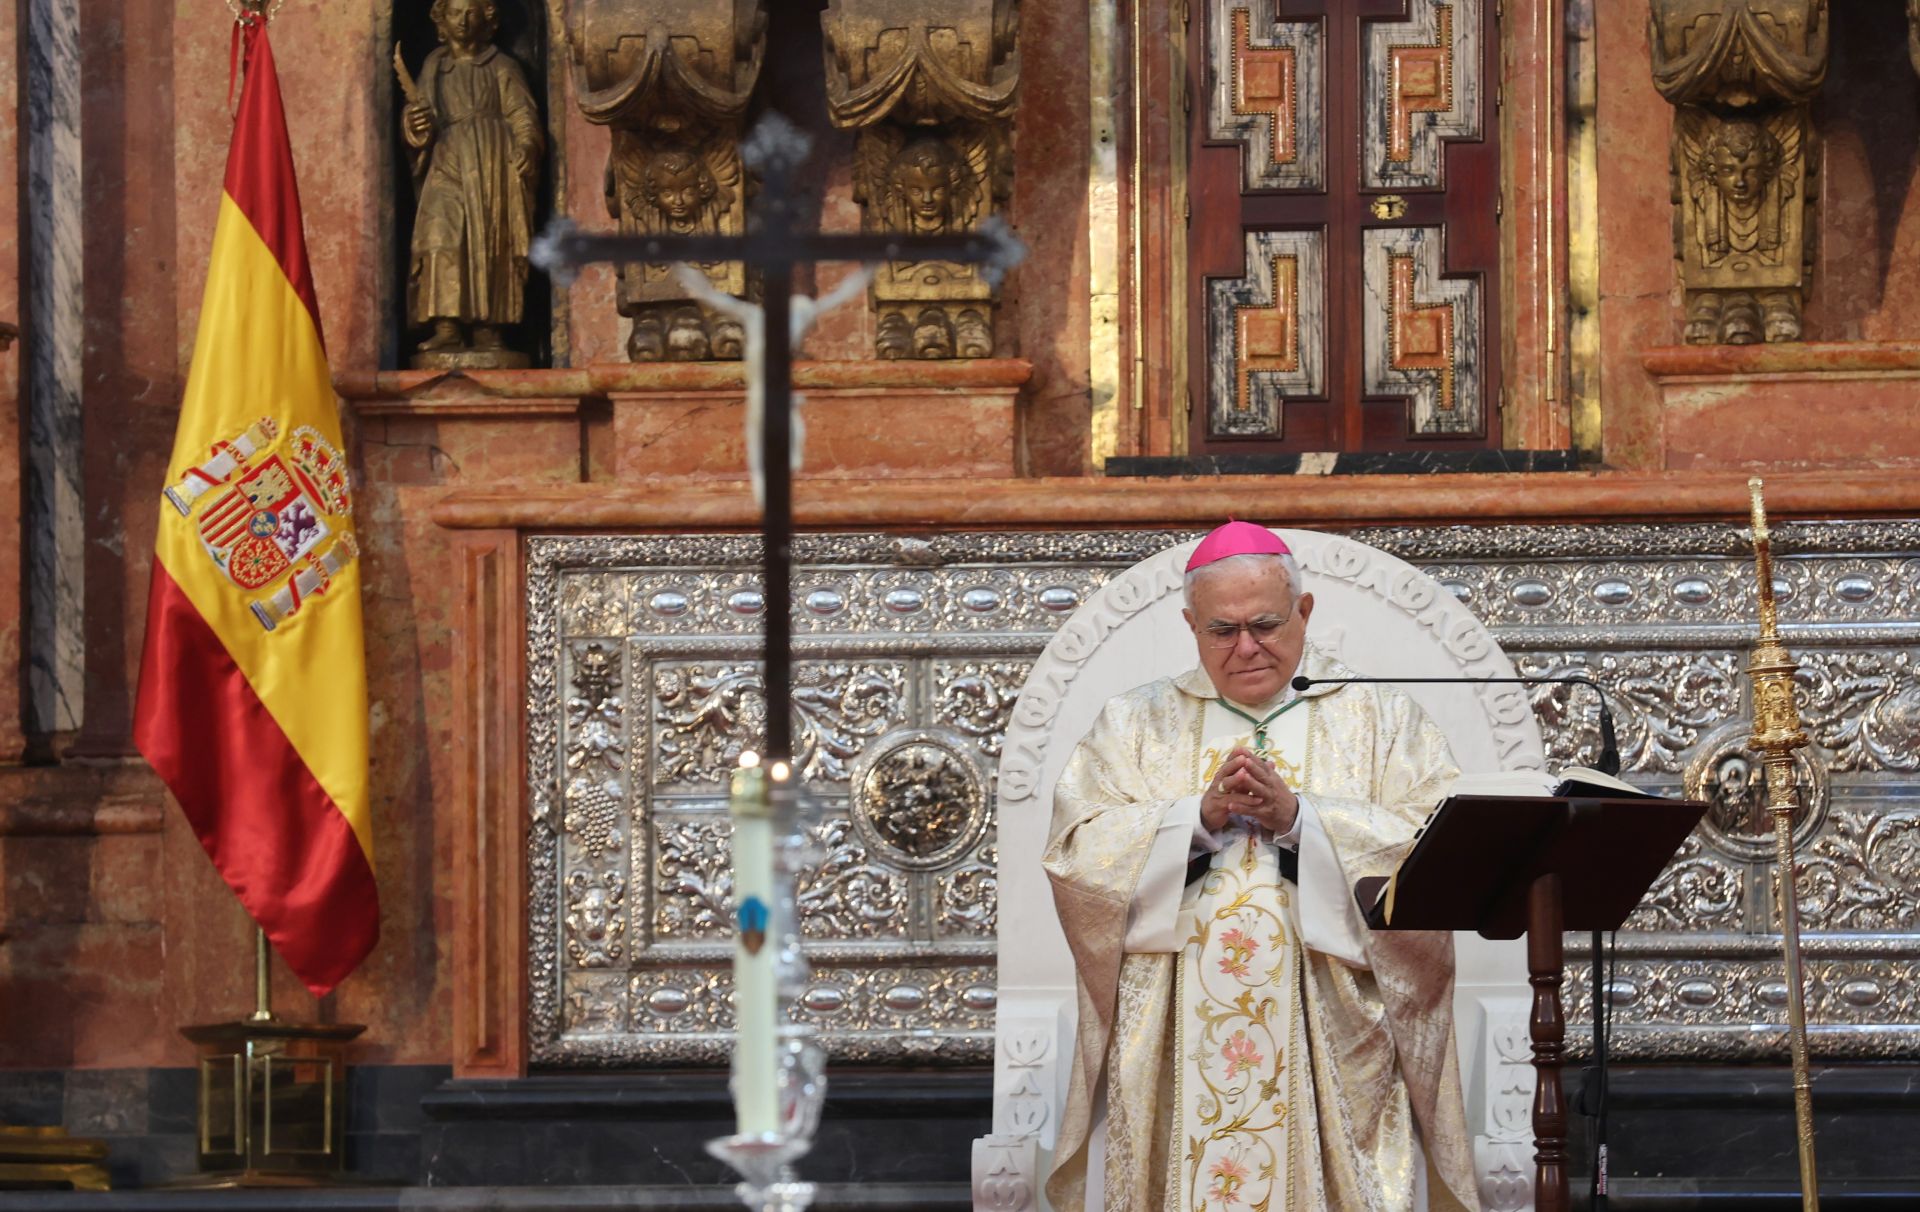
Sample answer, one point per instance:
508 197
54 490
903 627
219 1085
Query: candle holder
764 1160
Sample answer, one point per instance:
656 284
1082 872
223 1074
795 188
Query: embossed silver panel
643 687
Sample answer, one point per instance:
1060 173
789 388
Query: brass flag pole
1776 734
262 980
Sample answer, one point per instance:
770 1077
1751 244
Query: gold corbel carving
1741 74
930 86
672 79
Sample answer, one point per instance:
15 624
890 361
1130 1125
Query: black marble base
1391 463
938 1197
878 1127
148 1117
1723 1136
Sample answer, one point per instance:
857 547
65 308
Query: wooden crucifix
773 244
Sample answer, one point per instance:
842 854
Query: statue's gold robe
1379 1045
475 178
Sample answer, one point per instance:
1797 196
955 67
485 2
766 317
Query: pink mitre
1235 539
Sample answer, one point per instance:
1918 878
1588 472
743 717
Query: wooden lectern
1508 865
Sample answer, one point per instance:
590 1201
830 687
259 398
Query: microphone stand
1593 1094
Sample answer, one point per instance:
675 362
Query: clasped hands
1247 785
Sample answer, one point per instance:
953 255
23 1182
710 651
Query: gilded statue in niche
672 79
474 136
931 87
1740 74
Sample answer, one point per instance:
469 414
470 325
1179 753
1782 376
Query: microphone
1609 761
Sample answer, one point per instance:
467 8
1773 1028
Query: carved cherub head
926 183
1743 159
465 25
678 184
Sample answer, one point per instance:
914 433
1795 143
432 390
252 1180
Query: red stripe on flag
269 827
260 176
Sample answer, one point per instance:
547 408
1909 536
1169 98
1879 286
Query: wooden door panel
1348 138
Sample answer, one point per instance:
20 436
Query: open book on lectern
1571 782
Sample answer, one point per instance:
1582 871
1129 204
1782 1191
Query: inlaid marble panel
1267 331
1268 93
1423 86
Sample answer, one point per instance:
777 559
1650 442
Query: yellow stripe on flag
258 355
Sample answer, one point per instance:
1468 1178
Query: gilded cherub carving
928 184
1742 182
931 89
680 191
672 79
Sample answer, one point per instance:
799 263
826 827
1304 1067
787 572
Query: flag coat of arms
253 690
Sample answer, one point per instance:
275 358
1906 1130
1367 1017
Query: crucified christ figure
806 311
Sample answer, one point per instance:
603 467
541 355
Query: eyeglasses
1263 630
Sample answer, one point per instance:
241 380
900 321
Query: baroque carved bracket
930 85
1741 74
672 78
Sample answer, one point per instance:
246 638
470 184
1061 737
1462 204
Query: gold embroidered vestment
1248 1069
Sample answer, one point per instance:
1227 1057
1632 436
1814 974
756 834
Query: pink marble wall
11 364
1048 294
1638 298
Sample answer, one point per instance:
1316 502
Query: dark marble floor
882 1197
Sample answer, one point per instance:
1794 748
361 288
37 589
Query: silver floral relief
1859 873
975 698
846 894
1863 708
1697 891
968 898
707 713
692 878
643 687
1662 703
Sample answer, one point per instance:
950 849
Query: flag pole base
272 1102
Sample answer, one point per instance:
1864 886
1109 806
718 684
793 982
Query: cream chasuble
1256 1047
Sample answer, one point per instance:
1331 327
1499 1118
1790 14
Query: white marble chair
1380 615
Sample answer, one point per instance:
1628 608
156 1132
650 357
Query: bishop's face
1269 624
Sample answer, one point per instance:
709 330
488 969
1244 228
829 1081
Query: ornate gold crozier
1776 734
273 1105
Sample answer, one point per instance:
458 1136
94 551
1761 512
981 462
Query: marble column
54 520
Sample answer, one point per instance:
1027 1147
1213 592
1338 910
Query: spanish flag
253 685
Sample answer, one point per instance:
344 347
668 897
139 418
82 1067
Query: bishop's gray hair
1288 565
